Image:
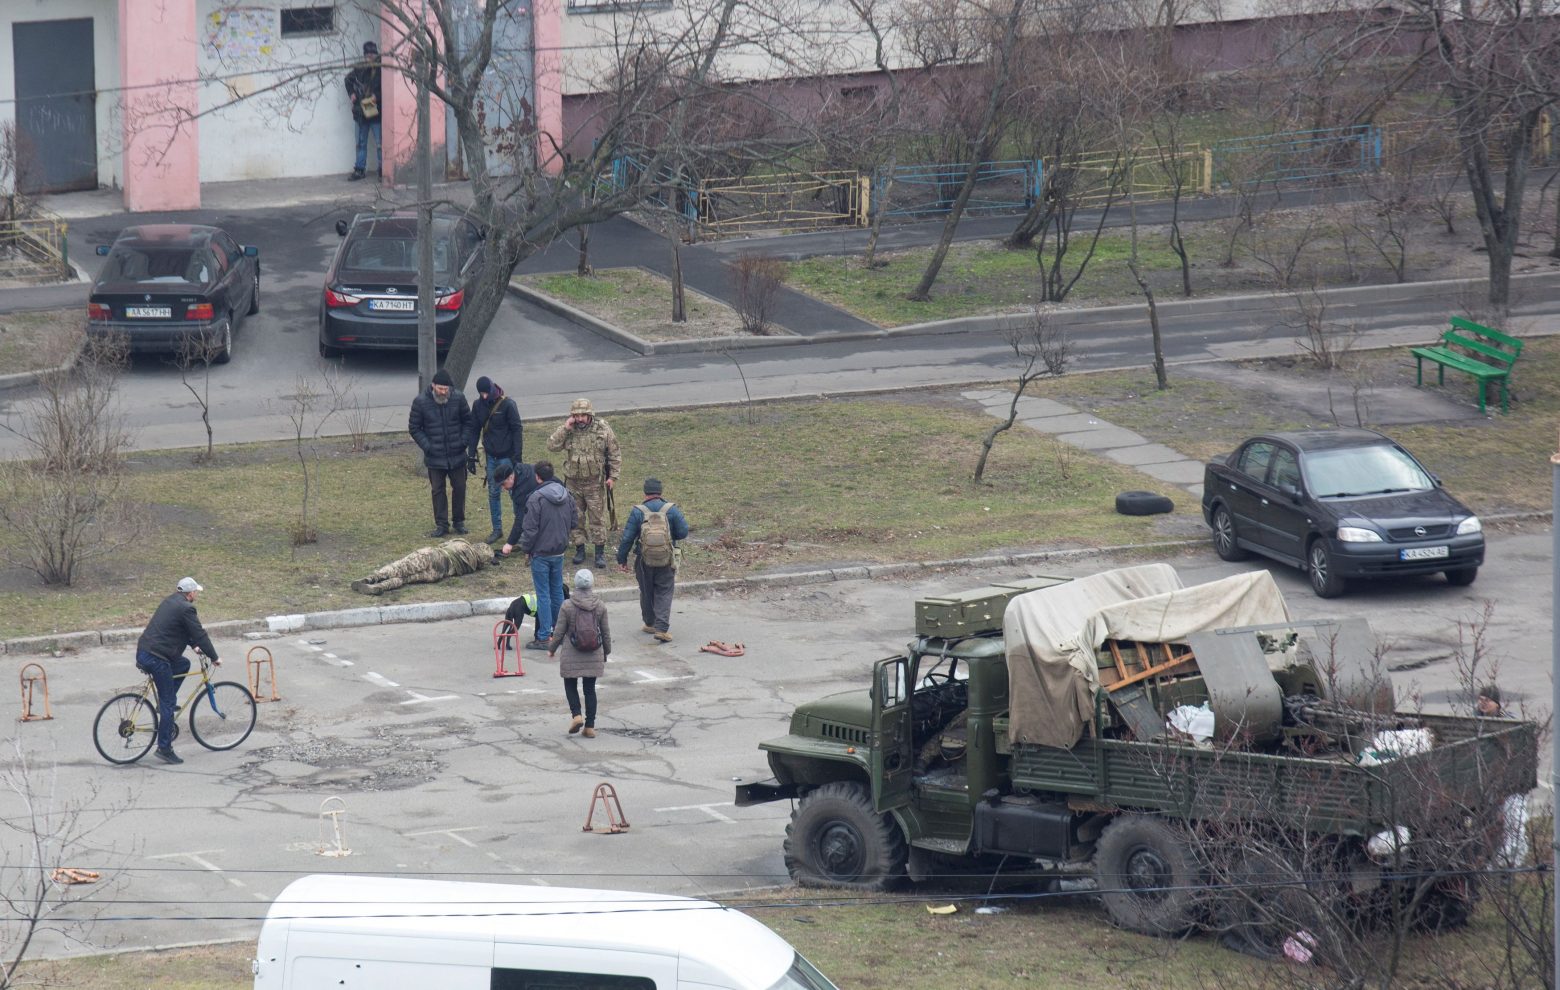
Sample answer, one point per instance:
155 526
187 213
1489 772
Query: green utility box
976 611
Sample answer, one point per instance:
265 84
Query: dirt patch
37 340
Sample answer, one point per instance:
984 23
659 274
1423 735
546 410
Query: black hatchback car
370 298
166 285
1339 504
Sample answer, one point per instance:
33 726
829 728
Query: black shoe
460 529
494 536
357 174
579 554
168 755
438 531
538 644
601 557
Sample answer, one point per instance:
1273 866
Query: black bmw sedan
370 298
1339 504
168 287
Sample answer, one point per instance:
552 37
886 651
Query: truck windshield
803 975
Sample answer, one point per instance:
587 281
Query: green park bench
1477 350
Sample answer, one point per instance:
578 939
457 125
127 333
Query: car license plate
1423 553
149 312
393 305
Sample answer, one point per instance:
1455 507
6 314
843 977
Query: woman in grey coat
577 664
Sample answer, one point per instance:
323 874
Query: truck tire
1266 902
1143 504
836 840
1147 875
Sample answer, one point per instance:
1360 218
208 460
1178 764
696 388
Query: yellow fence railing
784 201
33 247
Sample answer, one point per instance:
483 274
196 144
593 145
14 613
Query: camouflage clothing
451 558
590 456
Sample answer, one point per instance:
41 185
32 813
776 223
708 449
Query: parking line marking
451 832
418 699
380 679
645 677
708 809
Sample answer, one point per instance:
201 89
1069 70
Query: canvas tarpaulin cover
1051 636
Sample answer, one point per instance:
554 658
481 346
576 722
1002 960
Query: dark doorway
56 95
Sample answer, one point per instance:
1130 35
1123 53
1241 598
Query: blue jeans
166 675
496 491
547 577
363 127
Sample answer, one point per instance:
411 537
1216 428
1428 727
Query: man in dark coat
550 514
520 482
495 422
160 653
363 91
440 422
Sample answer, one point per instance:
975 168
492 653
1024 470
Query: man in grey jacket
550 513
160 653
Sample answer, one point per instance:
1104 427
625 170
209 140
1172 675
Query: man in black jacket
160 652
363 90
495 421
440 422
550 513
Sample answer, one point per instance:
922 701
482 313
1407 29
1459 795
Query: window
536 979
1254 460
308 20
1285 470
588 6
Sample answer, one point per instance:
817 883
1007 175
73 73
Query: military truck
1026 723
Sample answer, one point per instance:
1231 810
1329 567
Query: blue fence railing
628 170
1297 156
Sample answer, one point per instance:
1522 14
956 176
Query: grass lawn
808 483
896 944
640 302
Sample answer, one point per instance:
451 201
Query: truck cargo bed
1474 762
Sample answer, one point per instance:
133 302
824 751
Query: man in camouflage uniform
591 463
451 558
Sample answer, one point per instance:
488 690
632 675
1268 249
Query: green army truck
1025 724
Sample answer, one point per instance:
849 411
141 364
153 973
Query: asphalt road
545 361
446 771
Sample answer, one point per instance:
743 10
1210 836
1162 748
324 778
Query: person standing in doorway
585 641
591 464
652 531
364 93
550 514
440 422
495 422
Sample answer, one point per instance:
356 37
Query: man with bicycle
160 653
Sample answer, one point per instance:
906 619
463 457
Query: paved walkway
1088 432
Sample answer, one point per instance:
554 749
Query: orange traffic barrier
606 797
32 675
255 663
506 636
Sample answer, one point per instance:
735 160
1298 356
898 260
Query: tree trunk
985 447
883 199
582 269
923 290
1161 379
679 311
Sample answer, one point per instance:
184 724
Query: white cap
188 584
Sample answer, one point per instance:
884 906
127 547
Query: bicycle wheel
223 716
125 728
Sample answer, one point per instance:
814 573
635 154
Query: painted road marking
645 677
708 809
418 699
199 859
380 679
451 832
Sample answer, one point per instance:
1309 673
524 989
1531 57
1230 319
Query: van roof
697 931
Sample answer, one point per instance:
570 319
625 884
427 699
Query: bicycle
222 714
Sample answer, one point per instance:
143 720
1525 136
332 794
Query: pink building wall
547 39
161 137
399 89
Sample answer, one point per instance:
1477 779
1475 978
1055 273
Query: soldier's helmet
582 407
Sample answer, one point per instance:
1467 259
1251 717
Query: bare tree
40 890
194 358
1042 348
1304 311
884 128
308 410
64 501
758 278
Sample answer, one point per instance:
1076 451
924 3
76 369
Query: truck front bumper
764 791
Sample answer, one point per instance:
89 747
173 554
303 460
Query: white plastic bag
1393 744
1196 722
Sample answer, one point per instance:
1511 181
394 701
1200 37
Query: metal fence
1101 177
792 201
1297 156
929 190
34 247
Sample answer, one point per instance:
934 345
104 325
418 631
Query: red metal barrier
506 635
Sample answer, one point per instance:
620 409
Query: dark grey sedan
1339 504
175 289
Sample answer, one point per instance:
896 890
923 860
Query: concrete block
118 637
491 606
1103 439
1144 453
342 618
889 570
424 611
1175 472
57 642
851 573
235 627
986 395
284 623
1070 423
1034 407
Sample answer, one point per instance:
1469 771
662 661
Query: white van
389 933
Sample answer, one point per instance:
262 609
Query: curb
276 625
639 345
24 379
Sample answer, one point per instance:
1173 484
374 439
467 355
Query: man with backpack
652 531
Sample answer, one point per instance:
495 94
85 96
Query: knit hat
652 486
369 48
584 580
484 385
442 377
